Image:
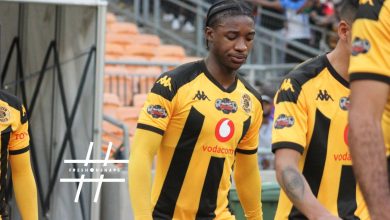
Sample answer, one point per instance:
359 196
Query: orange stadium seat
118 38
170 51
111 104
114 49
120 85
139 99
145 39
129 115
191 59
140 50
122 27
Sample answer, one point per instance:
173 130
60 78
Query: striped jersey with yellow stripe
14 137
203 126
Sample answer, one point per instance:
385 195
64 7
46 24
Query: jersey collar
334 73
206 72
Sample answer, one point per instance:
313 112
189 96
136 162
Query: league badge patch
4 114
157 111
246 103
284 121
344 103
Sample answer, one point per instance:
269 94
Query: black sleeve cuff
241 151
20 151
287 145
150 128
369 76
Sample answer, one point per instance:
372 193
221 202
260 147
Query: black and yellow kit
311 118
15 149
203 126
371 50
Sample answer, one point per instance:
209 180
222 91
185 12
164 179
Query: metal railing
253 74
141 14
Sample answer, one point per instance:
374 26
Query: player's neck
339 59
225 76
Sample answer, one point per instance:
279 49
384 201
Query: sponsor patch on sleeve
284 121
157 111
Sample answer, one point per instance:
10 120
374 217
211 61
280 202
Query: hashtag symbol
100 180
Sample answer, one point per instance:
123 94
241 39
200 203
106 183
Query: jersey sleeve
290 118
158 108
371 43
250 140
19 139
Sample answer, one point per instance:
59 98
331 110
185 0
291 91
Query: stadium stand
126 86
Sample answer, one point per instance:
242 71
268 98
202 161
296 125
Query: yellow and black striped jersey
371 50
14 136
311 117
203 126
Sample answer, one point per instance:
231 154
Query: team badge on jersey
360 46
157 111
284 121
4 114
344 103
226 105
224 130
246 103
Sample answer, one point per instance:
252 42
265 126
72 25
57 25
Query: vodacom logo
224 130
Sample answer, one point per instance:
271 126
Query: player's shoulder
11 99
293 82
250 89
168 83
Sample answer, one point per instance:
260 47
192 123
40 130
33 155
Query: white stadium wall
76 30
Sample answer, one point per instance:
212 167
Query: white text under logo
84 170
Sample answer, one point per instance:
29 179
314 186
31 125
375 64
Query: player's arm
246 170
24 185
368 100
295 185
289 139
22 175
152 123
248 184
143 149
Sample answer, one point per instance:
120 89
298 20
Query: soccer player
201 119
15 147
369 118
312 161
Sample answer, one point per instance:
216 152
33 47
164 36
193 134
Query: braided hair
226 8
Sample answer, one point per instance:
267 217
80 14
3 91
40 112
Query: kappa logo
166 82
360 46
324 96
286 85
201 96
363 2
